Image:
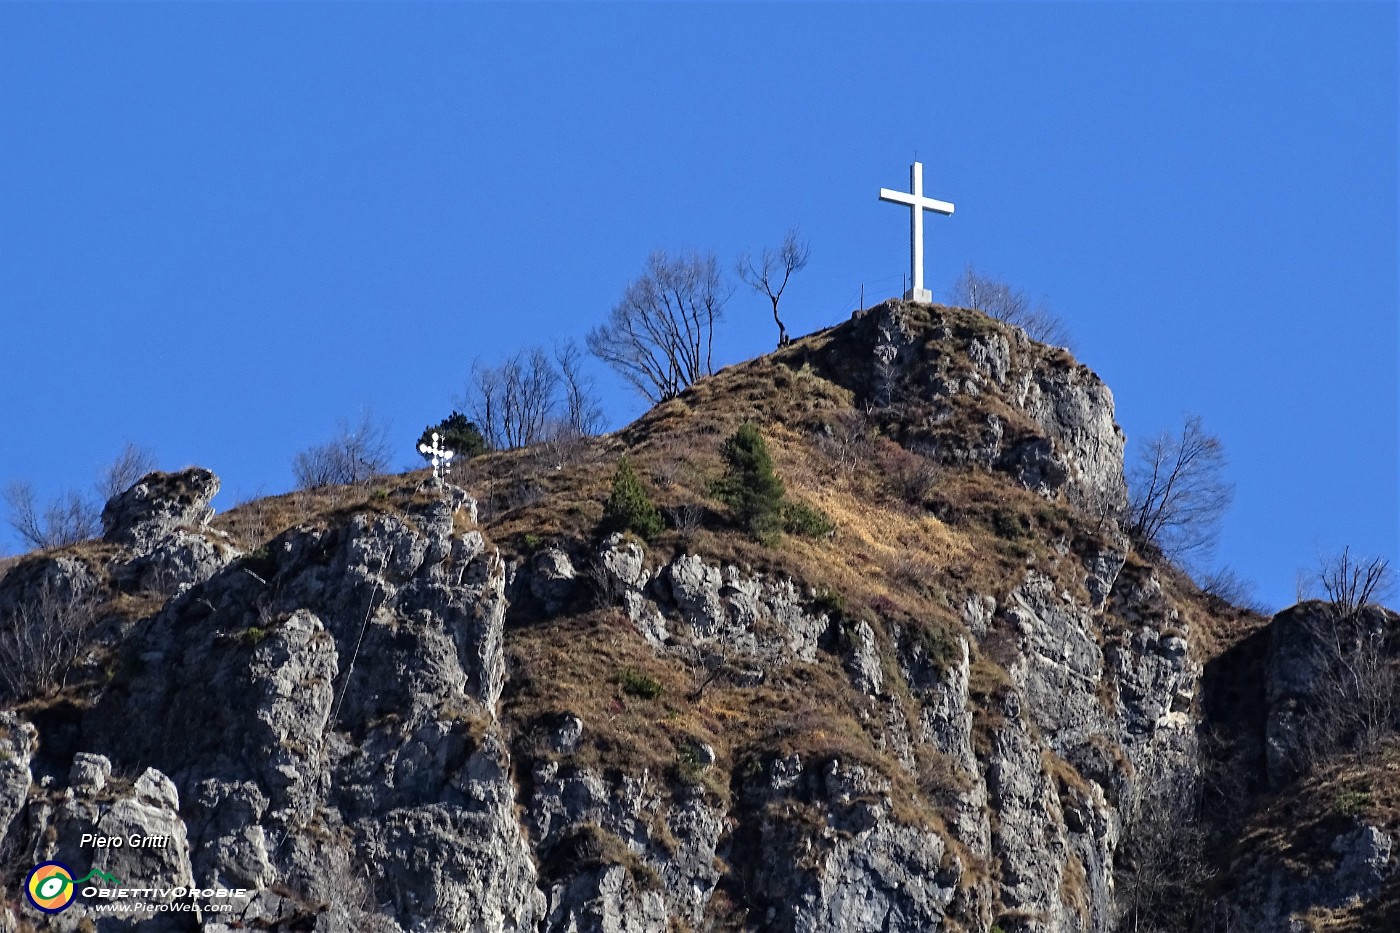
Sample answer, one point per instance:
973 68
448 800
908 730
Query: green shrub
800 519
260 561
689 769
253 636
750 488
1351 802
628 508
638 684
939 644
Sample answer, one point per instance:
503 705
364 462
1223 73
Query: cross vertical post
916 230
917 205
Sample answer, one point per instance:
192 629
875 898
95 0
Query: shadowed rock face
324 726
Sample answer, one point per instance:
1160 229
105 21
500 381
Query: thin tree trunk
782 331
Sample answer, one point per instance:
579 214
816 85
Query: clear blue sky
224 227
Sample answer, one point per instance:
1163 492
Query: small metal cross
438 455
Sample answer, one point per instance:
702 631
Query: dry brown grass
1065 775
1074 889
890 560
1213 627
581 664
573 665
1296 827
255 522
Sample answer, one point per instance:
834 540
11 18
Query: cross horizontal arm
899 197
928 204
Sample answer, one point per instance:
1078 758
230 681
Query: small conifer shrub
803 520
628 508
750 488
638 684
755 495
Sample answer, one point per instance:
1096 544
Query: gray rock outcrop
1063 434
161 523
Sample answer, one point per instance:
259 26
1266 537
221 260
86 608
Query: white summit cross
917 204
438 455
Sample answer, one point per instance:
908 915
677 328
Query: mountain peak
966 702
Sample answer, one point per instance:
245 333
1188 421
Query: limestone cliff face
976 393
377 719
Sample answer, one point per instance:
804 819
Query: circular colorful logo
50 887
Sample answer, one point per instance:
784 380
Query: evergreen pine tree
750 488
628 508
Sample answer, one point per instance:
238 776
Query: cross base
921 295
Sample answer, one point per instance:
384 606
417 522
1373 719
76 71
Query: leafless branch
122 473
531 399
1000 301
1352 584
582 413
42 637
356 454
512 402
1178 496
1162 868
660 337
1356 692
1227 586
67 519
771 272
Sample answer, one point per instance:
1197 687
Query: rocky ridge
403 715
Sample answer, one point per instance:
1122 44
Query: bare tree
72 516
1352 584
1000 301
357 453
122 473
1355 698
1177 494
660 337
771 273
42 637
581 414
1356 688
67 519
716 666
1162 870
531 399
512 402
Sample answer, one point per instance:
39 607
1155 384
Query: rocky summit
962 700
